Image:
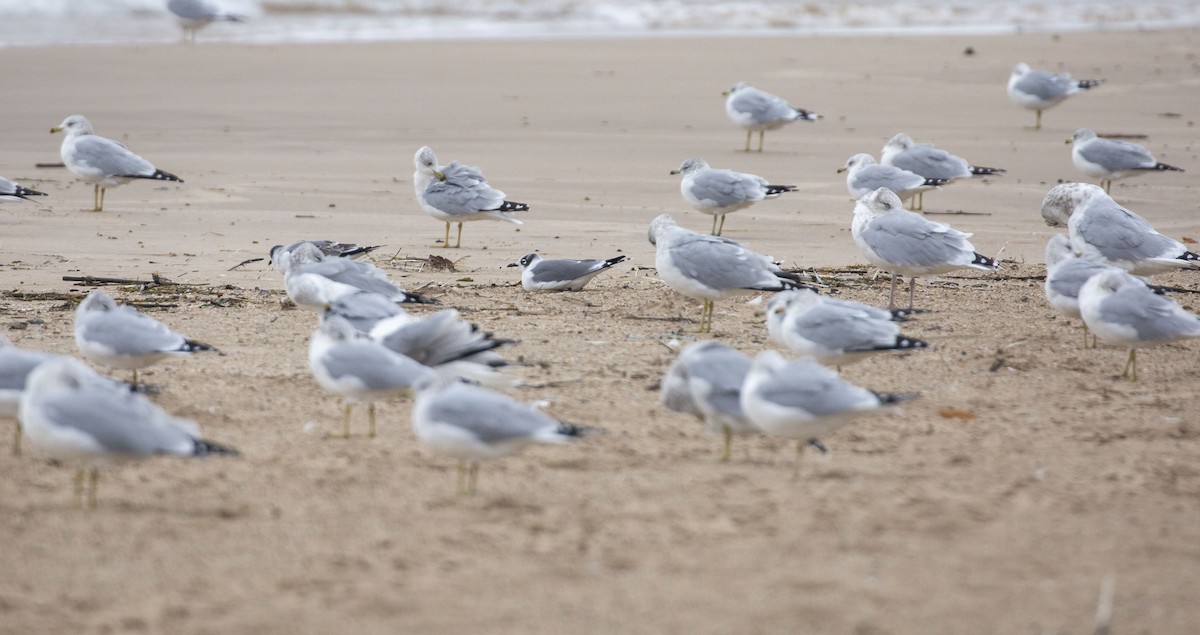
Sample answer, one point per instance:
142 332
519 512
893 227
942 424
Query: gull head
1020 69
857 162
899 142
60 373
426 163
1104 284
881 201
660 225
526 261
1081 135
96 301
1063 200
1058 249
694 164
73 126
735 88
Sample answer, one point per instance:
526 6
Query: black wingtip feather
614 260
192 346
207 448
772 190
573 430
1087 84
512 206
160 175
1190 256
807 115
984 261
416 298
936 182
1163 167
892 398
24 192
902 315
979 170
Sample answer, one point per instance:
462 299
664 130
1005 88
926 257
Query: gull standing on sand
539 274
908 244
754 109
472 424
864 175
123 338
15 365
832 331
1109 159
709 268
102 162
314 280
930 162
1040 90
72 414
705 381
348 363
804 400
1101 229
1066 273
719 192
1121 310
193 15
10 191
458 193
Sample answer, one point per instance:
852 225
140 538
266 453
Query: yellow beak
55 129
841 169
439 175
1067 142
674 171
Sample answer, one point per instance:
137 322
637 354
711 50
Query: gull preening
15 365
314 280
1040 90
804 400
834 331
1110 159
193 15
539 274
121 337
10 191
72 414
458 193
1101 229
1121 310
719 192
1066 273
448 343
757 110
330 248
102 162
473 424
930 162
705 381
908 244
864 175
708 268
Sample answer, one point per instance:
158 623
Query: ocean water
55 22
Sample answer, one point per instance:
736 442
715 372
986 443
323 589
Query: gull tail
577 431
415 298
1163 167
806 115
1087 84
192 346
25 193
614 261
904 343
357 250
894 398
935 182
983 262
206 448
158 175
512 206
978 170
776 190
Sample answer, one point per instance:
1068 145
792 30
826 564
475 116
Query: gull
123 338
925 160
804 400
1066 273
1039 90
10 191
1109 159
193 15
833 331
1119 309
539 274
719 192
329 278
448 343
754 109
472 424
15 365
458 193
705 380
1101 229
330 248
350 364
709 268
908 244
864 175
72 414
102 162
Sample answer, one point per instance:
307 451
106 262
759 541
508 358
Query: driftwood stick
245 262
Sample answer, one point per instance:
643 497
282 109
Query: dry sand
1048 476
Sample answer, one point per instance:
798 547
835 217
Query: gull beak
514 264
724 93
841 169
1067 142
55 129
440 176
674 171
779 310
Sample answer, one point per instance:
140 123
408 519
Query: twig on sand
96 281
245 262
957 213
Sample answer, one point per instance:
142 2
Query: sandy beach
1025 476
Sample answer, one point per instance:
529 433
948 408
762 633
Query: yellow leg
728 443
458 242
721 227
79 487
713 231
706 317
17 441
346 421
1131 366
760 139
371 419
94 482
920 201
103 191
748 133
446 241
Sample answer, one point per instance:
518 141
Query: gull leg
446 242
1038 125
458 242
713 231
748 133
912 287
800 445
460 482
920 201
1107 183
346 420
94 482
79 487
760 139
135 378
728 443
892 294
96 197
1085 337
706 317
1130 370
472 477
103 190
17 441
720 228
371 419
